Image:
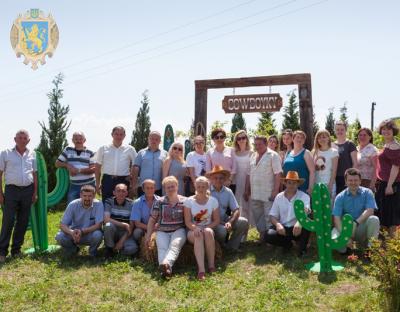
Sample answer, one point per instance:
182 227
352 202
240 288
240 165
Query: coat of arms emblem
34 36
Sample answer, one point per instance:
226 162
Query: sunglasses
241 138
198 143
175 148
219 137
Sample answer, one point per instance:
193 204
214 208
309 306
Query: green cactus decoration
188 147
38 218
168 137
322 225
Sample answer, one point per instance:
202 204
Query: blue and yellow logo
34 36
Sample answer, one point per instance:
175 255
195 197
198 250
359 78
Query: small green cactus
321 224
39 209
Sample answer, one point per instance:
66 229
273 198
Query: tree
142 124
238 123
330 121
353 130
291 115
266 125
315 124
53 138
343 114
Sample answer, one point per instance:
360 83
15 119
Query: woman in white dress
242 159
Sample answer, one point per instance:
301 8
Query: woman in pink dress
367 158
242 159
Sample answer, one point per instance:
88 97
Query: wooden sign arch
303 81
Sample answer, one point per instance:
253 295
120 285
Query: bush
385 266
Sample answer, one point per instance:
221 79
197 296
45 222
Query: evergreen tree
238 123
343 114
330 122
266 125
53 138
291 116
142 124
315 124
353 130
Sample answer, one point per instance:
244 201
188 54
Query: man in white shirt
19 167
115 161
285 227
262 183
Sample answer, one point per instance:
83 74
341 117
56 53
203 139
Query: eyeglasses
198 143
175 148
241 138
219 137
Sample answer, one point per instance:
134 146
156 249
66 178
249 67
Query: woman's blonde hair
171 152
202 179
169 179
236 144
317 147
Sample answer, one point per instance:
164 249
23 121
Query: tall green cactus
39 209
322 225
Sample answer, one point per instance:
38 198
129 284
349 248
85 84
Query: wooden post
200 111
306 113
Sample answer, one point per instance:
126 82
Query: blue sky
111 51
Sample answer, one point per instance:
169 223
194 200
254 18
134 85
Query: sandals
201 276
165 270
212 270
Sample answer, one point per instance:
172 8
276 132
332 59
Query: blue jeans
74 191
93 240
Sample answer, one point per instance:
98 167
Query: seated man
233 227
360 203
285 228
81 223
117 230
142 208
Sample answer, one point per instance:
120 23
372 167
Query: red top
386 159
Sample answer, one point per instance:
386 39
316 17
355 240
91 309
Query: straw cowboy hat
218 170
293 176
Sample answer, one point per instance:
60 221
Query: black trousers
273 238
340 184
16 211
140 192
108 183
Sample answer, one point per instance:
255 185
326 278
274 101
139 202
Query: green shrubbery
385 266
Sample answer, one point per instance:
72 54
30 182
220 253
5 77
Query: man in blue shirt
233 227
142 208
148 164
81 223
360 203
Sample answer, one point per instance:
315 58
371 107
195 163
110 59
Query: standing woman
201 217
286 144
221 155
347 154
273 143
242 158
167 213
388 191
325 159
196 162
367 158
299 159
175 166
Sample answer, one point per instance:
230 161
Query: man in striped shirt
117 230
78 160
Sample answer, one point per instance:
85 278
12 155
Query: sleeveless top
297 163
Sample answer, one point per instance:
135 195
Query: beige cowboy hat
293 176
218 170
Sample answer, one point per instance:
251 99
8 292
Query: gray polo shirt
78 217
226 200
150 164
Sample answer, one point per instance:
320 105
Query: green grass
260 279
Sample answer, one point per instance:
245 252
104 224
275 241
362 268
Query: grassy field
259 279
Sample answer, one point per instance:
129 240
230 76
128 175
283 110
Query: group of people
211 196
